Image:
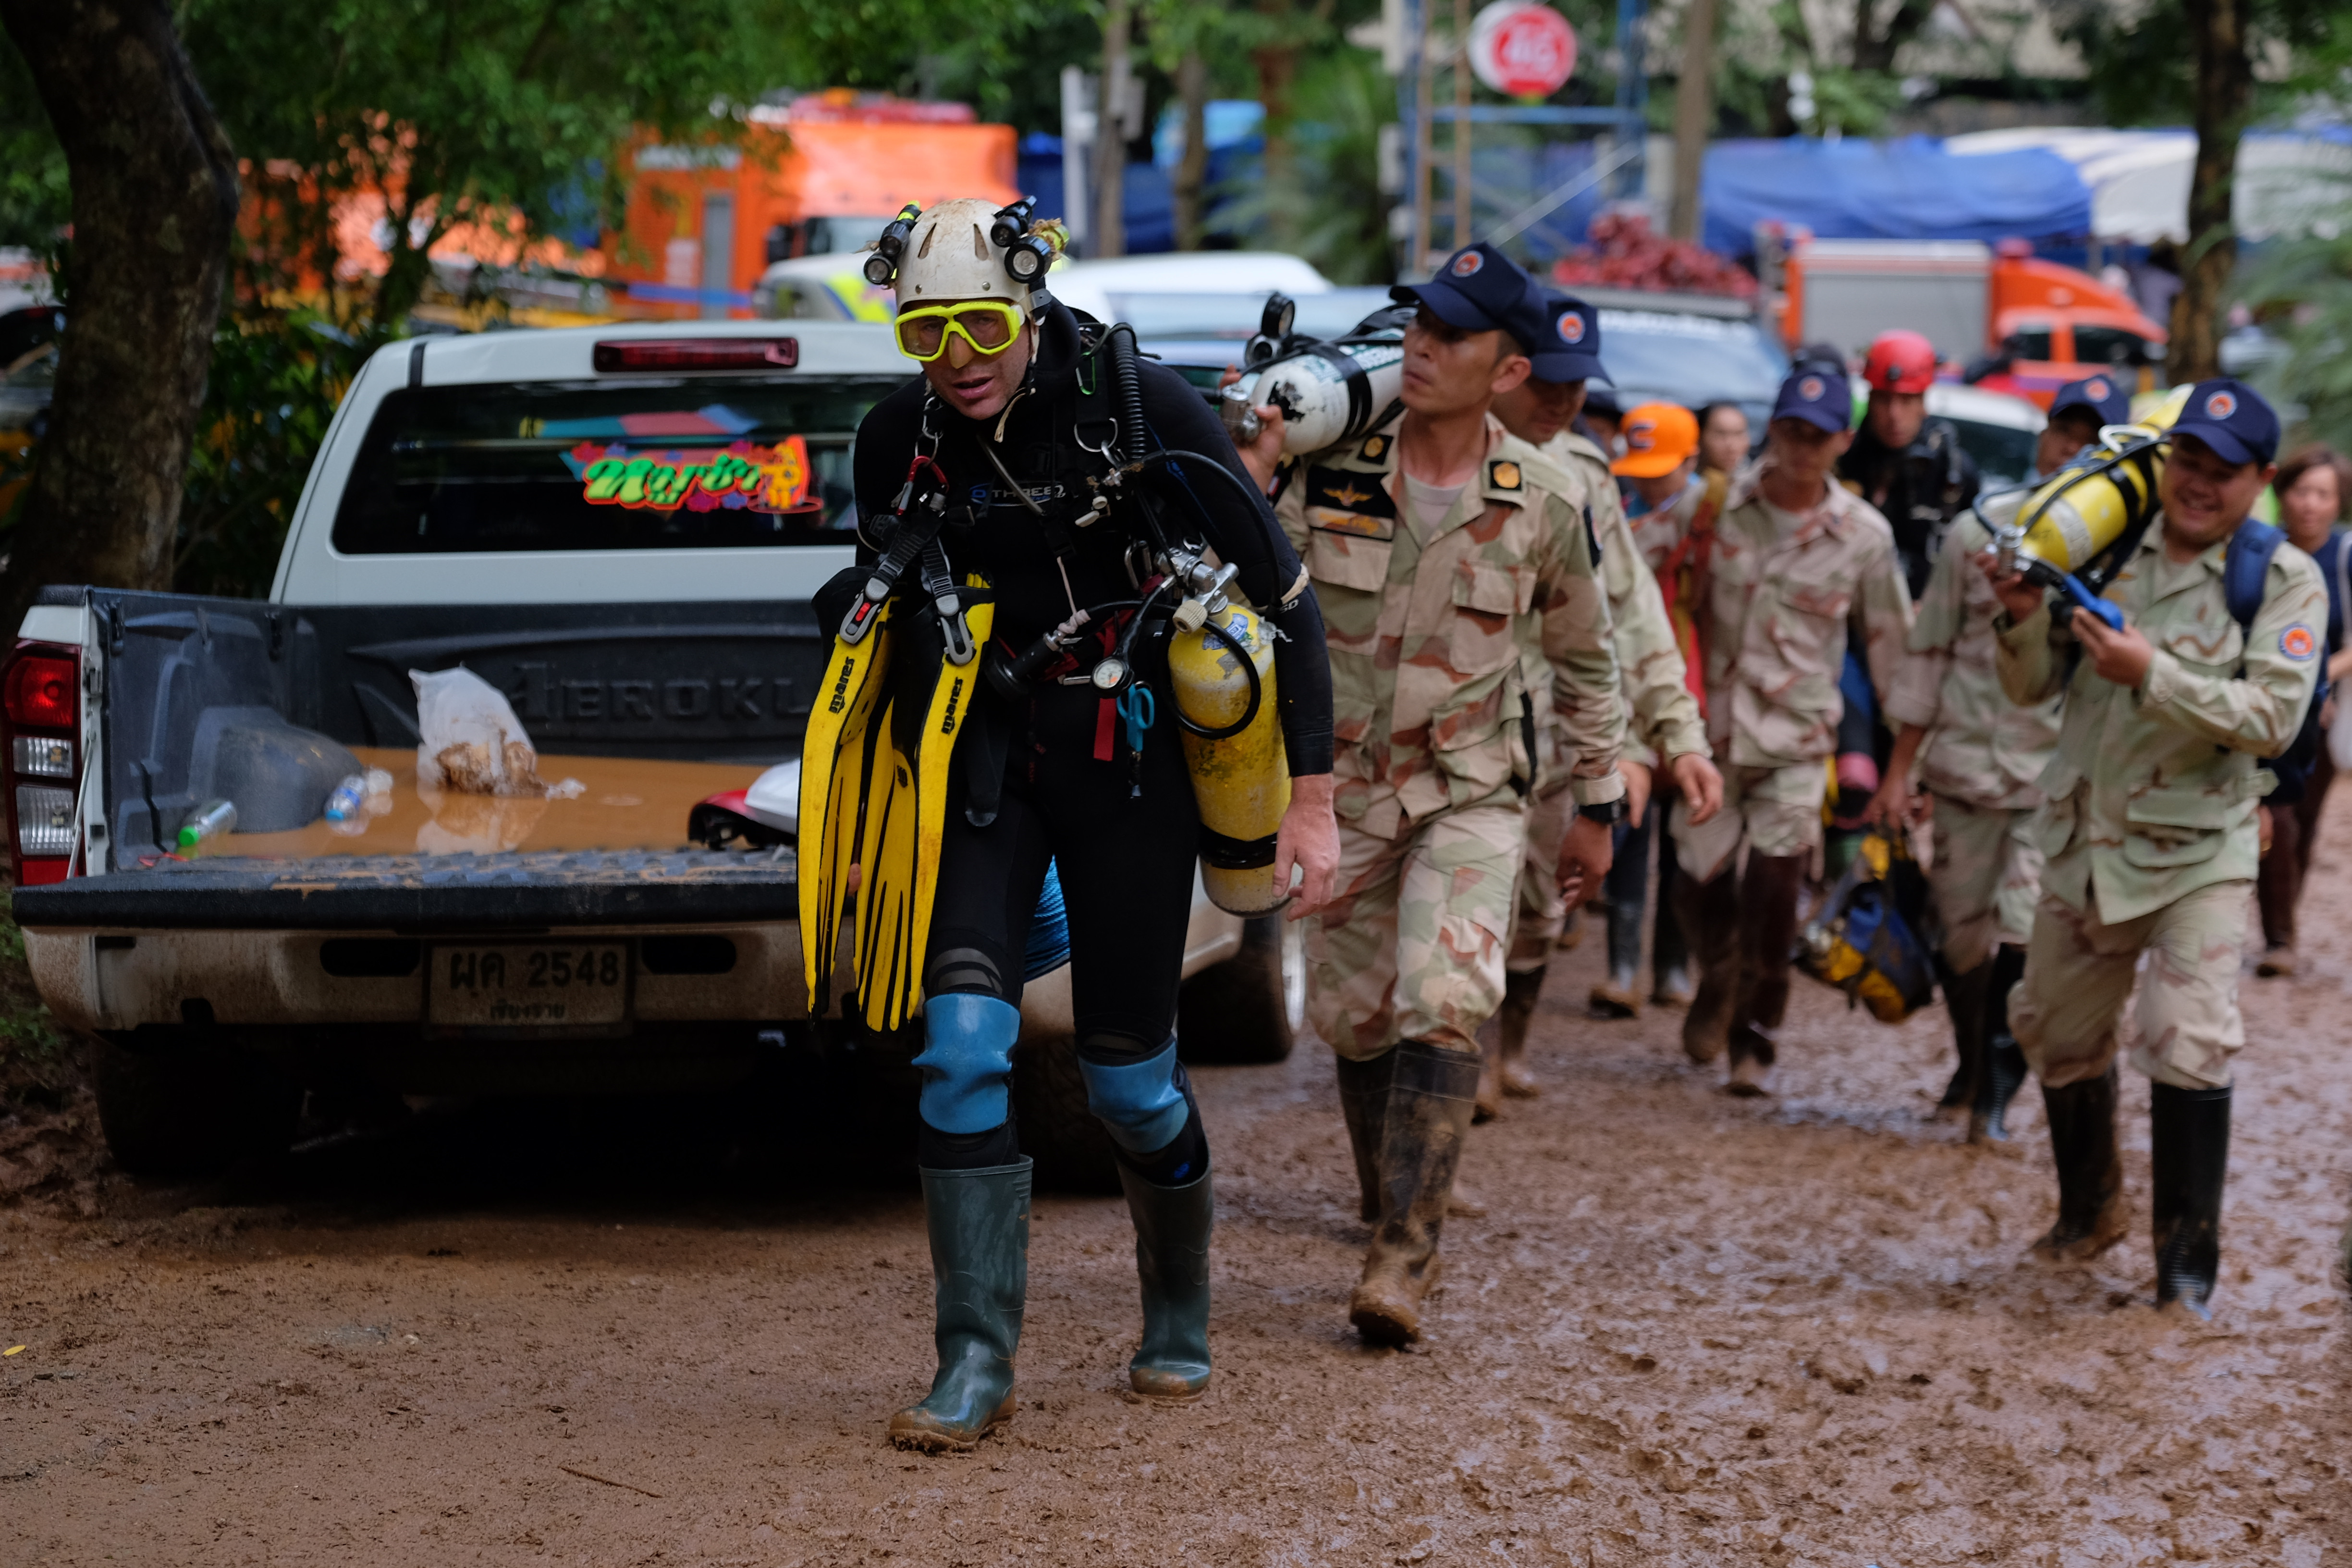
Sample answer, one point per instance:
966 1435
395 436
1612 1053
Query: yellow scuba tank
1220 660
2087 506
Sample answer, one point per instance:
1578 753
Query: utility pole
1694 114
1461 124
1110 135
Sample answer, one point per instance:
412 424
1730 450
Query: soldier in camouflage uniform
2151 834
1662 714
1794 567
1463 608
1979 756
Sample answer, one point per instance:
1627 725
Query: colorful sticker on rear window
700 478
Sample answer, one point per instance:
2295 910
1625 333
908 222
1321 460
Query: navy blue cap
2230 417
2101 395
1817 394
1568 343
1480 289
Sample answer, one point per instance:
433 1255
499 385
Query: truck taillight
40 715
41 692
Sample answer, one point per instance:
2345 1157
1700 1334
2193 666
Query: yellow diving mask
989 326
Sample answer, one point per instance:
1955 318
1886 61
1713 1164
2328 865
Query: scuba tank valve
1241 417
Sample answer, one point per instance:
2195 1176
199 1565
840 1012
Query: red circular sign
1522 49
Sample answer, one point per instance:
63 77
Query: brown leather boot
1768 933
1428 1117
1709 913
1364 1103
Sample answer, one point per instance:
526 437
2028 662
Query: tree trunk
154 202
2225 85
1110 136
1192 169
1277 73
1874 50
1694 114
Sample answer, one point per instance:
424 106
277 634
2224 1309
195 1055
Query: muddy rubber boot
978 1222
2004 1060
1768 934
1965 998
1521 991
1670 979
2189 1157
1709 913
1617 996
1428 1117
2090 1174
1364 1102
1172 1263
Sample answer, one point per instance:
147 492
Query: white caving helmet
965 249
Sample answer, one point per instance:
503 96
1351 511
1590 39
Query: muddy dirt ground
1690 1331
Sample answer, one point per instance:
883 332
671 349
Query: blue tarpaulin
1904 189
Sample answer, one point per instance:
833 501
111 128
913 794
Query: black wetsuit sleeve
1240 527
888 438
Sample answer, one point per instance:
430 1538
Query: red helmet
1899 361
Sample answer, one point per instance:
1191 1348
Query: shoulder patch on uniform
1374 449
2297 643
1503 474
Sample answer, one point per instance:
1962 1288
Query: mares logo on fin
841 685
955 698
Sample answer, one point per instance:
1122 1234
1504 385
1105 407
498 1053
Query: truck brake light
40 693
698 353
41 718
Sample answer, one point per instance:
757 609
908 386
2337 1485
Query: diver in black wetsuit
1021 406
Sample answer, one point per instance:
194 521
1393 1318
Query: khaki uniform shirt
2160 785
1432 631
1664 715
1981 749
1784 597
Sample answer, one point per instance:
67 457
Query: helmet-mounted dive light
1027 257
883 265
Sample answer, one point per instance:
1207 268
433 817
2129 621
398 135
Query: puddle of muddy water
625 803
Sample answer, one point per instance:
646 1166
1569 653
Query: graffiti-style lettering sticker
743 476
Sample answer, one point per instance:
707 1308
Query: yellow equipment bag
1859 941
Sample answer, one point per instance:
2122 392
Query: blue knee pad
967 1061
1139 1102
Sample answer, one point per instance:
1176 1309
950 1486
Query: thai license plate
530 987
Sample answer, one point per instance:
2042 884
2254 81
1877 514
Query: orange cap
1657 437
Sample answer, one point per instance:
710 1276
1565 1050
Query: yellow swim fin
837 759
904 820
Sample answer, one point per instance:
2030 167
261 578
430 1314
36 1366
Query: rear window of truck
700 462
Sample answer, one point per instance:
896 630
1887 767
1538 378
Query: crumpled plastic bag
470 741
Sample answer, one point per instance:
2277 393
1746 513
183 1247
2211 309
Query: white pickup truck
620 528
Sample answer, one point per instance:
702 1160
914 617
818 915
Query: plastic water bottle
215 818
348 799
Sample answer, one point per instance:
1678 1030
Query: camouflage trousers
2079 973
1986 876
1775 811
1411 948
1539 913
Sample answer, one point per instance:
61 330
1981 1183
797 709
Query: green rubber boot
978 1222
1172 1262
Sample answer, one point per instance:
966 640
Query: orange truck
2025 326
817 177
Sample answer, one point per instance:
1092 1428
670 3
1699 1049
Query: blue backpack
2245 567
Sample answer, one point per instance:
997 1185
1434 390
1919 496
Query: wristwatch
1609 812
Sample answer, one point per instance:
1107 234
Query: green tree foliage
2142 70
482 112
1003 56
34 202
